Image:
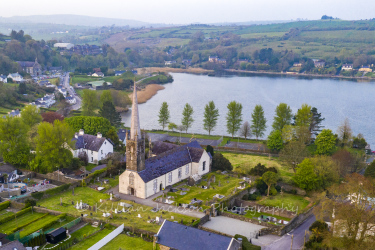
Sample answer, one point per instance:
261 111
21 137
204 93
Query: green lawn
22 220
289 201
29 229
242 163
4 214
85 231
89 242
125 242
198 136
226 188
92 197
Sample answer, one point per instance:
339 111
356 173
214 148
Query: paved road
71 92
149 202
298 237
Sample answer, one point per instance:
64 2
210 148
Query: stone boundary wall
15 192
230 201
265 209
243 150
54 178
203 220
296 221
17 205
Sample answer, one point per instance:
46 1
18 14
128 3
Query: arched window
131 179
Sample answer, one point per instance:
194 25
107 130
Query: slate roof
181 237
57 232
13 245
171 160
121 133
160 147
26 64
90 142
7 168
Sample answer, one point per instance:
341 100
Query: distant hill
77 20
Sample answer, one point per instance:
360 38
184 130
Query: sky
194 11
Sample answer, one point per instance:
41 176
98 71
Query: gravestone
214 178
219 184
73 203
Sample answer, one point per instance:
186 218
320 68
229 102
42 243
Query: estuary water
335 99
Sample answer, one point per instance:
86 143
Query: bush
4 205
273 191
30 203
37 195
219 162
246 245
278 188
260 169
292 191
195 223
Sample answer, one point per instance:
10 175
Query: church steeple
135 127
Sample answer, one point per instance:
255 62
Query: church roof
171 160
160 147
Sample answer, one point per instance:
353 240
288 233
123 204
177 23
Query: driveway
149 202
232 226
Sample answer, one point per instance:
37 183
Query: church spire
135 127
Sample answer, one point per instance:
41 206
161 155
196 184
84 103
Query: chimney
81 132
99 135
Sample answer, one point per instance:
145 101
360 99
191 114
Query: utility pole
291 244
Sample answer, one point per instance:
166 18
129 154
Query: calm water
335 99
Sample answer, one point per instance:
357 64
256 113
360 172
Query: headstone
101 200
116 211
172 217
214 178
157 219
110 197
139 215
73 203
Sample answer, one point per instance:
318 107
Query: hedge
54 221
246 245
26 224
10 217
52 191
195 223
96 174
4 205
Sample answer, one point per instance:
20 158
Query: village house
10 171
98 74
144 178
45 102
3 79
215 59
297 64
366 68
173 235
96 147
347 66
16 77
319 63
62 90
63 45
14 113
71 100
169 62
119 72
32 68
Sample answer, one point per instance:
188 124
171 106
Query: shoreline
147 93
175 70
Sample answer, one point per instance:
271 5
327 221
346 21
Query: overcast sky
203 11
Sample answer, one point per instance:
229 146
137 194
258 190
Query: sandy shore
173 70
149 91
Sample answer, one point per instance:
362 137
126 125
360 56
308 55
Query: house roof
171 160
121 133
57 232
90 142
26 64
14 245
7 168
182 237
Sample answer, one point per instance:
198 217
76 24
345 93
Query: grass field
125 242
22 220
87 243
92 197
4 214
289 201
226 188
85 231
242 163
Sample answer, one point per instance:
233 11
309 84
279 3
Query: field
87 243
242 163
22 220
226 188
4 213
125 242
92 197
288 201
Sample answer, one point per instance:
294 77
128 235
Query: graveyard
213 187
92 204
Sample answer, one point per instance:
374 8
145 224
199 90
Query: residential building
98 74
297 64
63 45
54 70
169 62
319 63
32 68
62 90
96 147
347 66
173 235
366 68
187 62
15 77
119 72
144 178
121 133
10 171
3 79
45 102
215 59
71 100
13 245
14 113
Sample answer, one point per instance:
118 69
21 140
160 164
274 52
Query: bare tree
345 133
245 130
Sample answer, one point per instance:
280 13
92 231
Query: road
71 91
284 243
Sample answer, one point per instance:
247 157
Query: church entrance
161 186
132 191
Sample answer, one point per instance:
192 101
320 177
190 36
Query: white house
62 90
45 102
98 74
96 147
10 171
14 113
347 66
3 79
144 178
71 100
63 45
16 77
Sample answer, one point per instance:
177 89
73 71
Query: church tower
135 145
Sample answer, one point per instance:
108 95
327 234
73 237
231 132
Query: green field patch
260 35
125 242
90 241
24 219
289 201
4 214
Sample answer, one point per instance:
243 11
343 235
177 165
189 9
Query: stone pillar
155 242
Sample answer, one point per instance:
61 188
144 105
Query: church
145 177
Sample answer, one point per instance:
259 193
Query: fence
107 238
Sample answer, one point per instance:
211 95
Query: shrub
4 205
246 245
37 195
195 223
30 203
260 169
219 162
273 191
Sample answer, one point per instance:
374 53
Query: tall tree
52 116
106 96
269 178
13 141
316 120
293 154
245 130
31 115
258 122
234 117
305 176
275 141
53 145
89 102
164 115
325 142
345 133
109 112
282 117
304 116
211 114
187 116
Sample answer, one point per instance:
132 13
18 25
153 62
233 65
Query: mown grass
85 231
288 201
125 242
89 242
6 228
4 214
33 227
